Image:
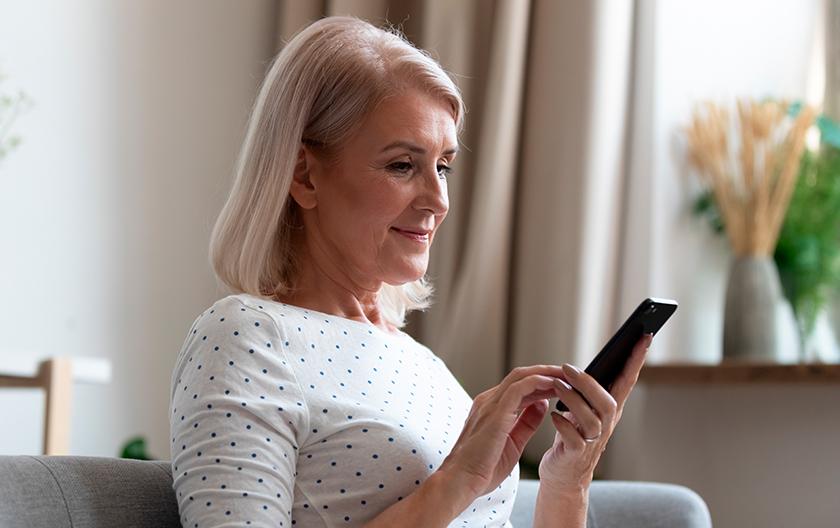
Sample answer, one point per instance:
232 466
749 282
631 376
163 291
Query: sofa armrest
614 504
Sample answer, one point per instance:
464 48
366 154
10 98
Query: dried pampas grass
752 187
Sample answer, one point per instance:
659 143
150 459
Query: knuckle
515 387
518 372
481 399
612 406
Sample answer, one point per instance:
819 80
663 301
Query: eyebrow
414 148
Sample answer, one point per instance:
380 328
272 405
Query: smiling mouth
413 236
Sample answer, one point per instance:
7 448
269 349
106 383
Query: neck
323 287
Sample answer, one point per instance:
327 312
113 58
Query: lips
414 231
421 237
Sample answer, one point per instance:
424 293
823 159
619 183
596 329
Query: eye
400 166
444 171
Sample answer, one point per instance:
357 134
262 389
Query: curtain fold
571 180
832 59
526 265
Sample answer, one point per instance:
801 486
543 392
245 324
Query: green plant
11 106
135 448
808 250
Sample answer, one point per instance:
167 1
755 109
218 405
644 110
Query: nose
434 195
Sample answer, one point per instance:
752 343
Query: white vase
787 334
834 312
821 346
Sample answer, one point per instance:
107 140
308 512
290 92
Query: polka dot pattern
283 416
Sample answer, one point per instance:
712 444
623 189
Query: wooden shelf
740 372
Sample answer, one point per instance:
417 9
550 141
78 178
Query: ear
303 185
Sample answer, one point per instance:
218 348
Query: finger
599 399
527 423
537 396
520 373
525 390
572 439
585 418
571 417
630 374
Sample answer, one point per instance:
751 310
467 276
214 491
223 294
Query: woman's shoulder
237 304
242 307
255 315
296 325
234 320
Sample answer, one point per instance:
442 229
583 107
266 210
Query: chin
400 282
408 276
404 268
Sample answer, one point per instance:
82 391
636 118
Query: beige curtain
526 264
832 59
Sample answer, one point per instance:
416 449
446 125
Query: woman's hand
583 431
501 421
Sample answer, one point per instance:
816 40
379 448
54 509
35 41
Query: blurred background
573 200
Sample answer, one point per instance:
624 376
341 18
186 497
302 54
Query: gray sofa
99 492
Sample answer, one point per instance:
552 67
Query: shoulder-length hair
319 89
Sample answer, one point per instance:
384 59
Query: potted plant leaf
135 447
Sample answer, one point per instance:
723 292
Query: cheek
386 205
367 229
367 214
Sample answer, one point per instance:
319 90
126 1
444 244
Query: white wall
759 455
106 208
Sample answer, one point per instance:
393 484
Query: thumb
527 423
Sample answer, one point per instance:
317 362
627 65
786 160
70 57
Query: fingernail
562 384
555 411
571 369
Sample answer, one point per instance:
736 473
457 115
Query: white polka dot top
285 416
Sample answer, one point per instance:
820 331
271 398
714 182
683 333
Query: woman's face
390 177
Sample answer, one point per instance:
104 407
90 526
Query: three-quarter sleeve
237 420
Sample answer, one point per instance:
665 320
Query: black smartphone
648 318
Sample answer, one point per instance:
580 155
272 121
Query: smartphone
648 318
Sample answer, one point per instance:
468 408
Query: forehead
412 116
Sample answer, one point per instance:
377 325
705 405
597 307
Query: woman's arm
438 500
229 447
564 509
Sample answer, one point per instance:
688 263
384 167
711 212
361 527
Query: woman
299 401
